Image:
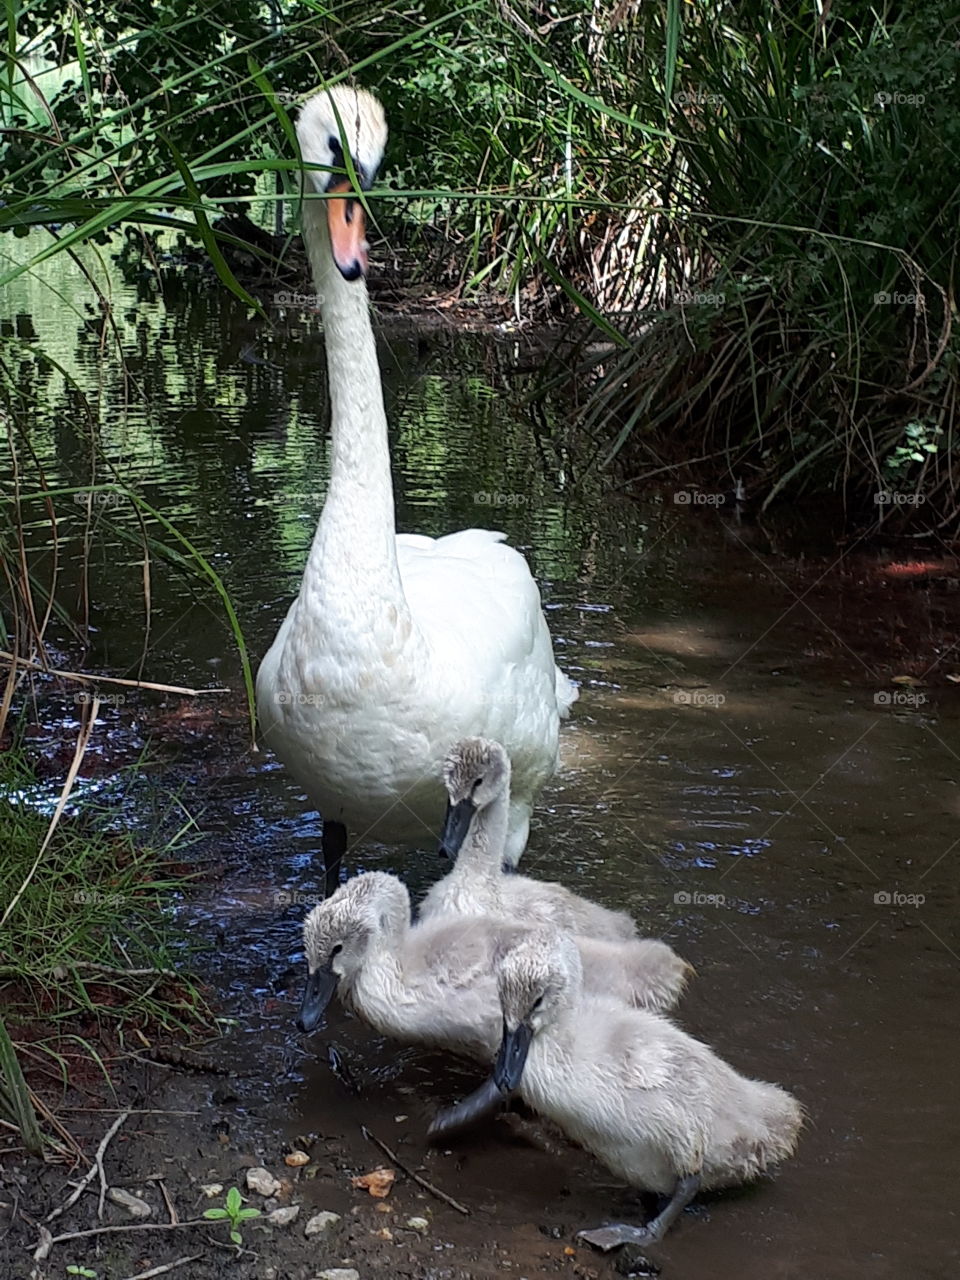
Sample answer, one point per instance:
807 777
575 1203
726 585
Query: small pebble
384 1234
136 1207
418 1224
262 1182
296 1158
400 1119
320 1223
283 1217
338 1273
211 1189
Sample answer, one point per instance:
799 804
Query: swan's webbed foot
333 845
614 1234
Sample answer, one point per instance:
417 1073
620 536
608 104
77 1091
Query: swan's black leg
617 1233
333 844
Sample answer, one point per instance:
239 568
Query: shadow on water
740 773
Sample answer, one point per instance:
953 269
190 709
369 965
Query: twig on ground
167 1266
47 1241
98 1158
422 1182
88 1177
83 679
126 973
171 1207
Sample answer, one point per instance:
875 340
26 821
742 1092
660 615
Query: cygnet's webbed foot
615 1234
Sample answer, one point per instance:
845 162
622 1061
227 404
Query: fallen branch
47 1241
98 1159
171 1207
15 661
124 973
88 1177
421 1182
167 1266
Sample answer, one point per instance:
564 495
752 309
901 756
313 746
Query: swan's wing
472 594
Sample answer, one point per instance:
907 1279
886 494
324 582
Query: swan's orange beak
347 227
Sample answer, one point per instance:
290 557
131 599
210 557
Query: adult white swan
397 645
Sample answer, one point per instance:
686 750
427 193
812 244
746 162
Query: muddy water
739 772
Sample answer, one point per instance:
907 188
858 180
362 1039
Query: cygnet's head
476 772
337 935
338 122
538 979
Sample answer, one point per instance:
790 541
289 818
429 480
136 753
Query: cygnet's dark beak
514 1047
455 827
484 1103
321 984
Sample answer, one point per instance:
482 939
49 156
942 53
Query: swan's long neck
353 556
481 853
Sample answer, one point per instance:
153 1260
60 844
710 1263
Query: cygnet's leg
333 845
617 1233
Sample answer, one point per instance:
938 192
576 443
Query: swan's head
338 122
538 980
338 933
476 773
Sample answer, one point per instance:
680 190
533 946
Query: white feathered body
473 889
435 983
653 1103
362 705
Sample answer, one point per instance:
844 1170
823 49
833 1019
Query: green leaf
215 1213
236 1237
234 1200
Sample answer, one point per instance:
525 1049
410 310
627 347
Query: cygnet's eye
476 786
336 949
536 1004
